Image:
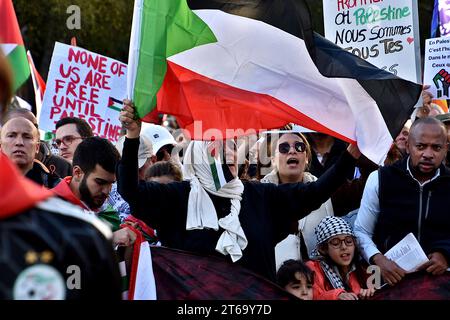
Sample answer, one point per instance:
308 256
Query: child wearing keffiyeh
338 273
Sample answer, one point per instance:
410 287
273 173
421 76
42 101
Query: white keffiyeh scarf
201 212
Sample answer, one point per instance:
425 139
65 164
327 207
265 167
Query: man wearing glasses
70 132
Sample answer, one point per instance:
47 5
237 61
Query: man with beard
49 248
93 173
409 196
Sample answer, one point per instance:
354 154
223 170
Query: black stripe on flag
394 96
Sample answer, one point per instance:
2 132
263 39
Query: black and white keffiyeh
332 274
327 228
331 226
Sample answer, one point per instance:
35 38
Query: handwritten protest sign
383 32
85 85
437 66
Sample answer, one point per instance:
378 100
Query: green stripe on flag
20 67
167 28
215 175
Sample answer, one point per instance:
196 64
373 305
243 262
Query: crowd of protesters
311 219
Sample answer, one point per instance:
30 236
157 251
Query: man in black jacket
409 196
249 218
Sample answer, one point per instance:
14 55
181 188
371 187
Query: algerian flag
11 43
160 29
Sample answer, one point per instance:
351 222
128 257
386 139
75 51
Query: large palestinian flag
257 64
11 43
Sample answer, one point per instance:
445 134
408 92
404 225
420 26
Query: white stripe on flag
135 43
145 287
220 174
7 47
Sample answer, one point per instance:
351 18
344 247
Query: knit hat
328 227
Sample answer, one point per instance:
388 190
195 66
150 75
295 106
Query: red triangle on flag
18 193
9 27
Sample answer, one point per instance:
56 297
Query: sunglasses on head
298 147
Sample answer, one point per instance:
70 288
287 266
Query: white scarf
201 212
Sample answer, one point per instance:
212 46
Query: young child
337 272
296 278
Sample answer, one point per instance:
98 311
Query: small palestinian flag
220 171
114 104
11 43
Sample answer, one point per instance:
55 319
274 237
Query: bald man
55 164
19 141
409 196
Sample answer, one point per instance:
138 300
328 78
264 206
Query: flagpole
37 95
133 54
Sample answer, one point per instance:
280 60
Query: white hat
158 135
144 152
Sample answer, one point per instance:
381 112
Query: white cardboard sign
85 85
383 32
437 67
